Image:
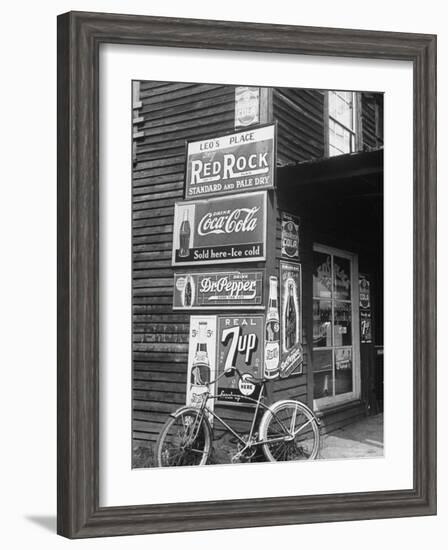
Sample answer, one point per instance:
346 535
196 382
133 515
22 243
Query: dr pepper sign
234 163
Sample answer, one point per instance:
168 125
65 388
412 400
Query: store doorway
336 356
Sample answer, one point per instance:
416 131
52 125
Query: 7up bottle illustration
272 340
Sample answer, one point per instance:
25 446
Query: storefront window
322 284
322 325
342 283
323 373
332 325
342 323
343 370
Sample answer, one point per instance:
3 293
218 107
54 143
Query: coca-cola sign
218 290
234 163
220 230
240 345
291 356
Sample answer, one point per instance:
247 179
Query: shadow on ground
46 522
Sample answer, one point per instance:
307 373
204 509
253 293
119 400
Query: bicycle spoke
290 433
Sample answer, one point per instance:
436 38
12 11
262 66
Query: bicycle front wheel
290 431
185 439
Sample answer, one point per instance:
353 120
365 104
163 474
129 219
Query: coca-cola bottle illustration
200 370
290 318
184 236
188 292
272 339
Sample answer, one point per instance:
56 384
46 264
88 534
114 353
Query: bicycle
288 430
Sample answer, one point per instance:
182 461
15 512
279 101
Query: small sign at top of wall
290 236
220 230
218 290
234 163
247 106
291 358
240 345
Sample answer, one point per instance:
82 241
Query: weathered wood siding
301 129
172 113
372 120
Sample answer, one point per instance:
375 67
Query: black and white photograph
257 274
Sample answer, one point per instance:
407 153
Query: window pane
342 283
340 139
322 275
322 323
340 107
323 373
342 324
343 371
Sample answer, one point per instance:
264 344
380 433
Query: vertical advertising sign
290 236
247 106
201 358
220 230
272 333
240 345
365 310
291 319
234 163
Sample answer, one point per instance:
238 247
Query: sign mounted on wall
234 163
201 358
220 230
219 290
290 236
291 319
240 345
247 106
365 310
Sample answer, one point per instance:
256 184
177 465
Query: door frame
329 402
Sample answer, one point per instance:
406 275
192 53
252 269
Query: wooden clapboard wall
372 120
300 118
167 115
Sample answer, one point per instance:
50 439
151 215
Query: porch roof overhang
365 167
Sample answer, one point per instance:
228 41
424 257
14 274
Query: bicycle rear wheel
291 432
185 439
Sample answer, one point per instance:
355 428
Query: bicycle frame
259 404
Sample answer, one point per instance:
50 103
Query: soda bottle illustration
200 370
290 318
272 339
188 292
184 236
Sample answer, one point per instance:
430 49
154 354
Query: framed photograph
246 274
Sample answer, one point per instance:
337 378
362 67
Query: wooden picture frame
79 38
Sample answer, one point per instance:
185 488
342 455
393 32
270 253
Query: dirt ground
363 439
